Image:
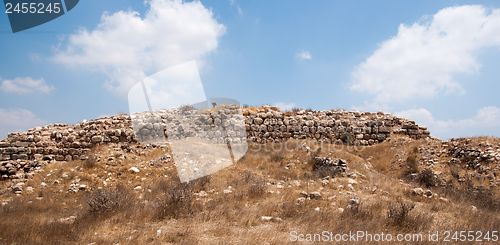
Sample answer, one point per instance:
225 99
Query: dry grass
400 216
263 183
90 162
173 200
110 200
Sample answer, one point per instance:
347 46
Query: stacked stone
217 125
59 142
473 153
340 127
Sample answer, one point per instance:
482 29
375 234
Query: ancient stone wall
22 152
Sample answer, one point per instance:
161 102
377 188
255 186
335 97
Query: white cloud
303 55
15 120
485 122
128 47
25 85
284 106
424 58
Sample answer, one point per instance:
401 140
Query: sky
435 62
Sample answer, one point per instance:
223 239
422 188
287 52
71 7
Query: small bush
256 188
103 201
360 211
411 161
398 215
427 178
175 202
480 197
290 210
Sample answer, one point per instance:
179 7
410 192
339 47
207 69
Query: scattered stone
315 195
300 200
325 166
266 218
418 191
68 220
18 188
270 219
201 194
353 203
311 195
428 193
352 181
134 170
228 190
444 199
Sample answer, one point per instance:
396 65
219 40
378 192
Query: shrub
109 200
360 211
411 161
290 210
427 178
175 202
398 215
255 186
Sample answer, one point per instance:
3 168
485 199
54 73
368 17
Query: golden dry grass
266 182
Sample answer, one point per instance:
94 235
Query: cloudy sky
432 61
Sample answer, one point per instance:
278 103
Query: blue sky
365 55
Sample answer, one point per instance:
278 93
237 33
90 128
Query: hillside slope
126 192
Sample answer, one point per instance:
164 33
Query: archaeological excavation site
120 180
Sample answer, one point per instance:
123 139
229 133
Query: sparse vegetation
109 200
174 200
427 178
412 162
265 183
